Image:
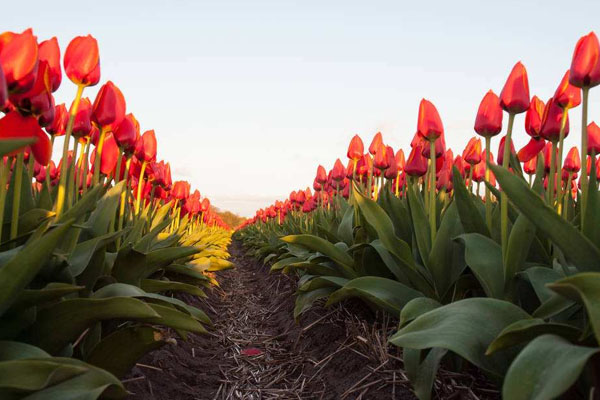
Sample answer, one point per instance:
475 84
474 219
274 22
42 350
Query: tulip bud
593 132
338 171
49 51
82 61
321 177
488 121
567 95
109 107
533 117
82 126
375 143
127 133
572 162
356 148
552 120
501 150
380 160
19 60
400 161
585 65
416 165
429 124
514 97
472 152
391 171
145 148
530 166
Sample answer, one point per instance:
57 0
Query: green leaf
345 229
155 285
51 292
20 270
584 288
305 300
539 277
326 248
118 352
545 369
422 373
18 350
33 375
99 221
472 221
575 246
416 307
420 224
10 145
484 257
519 243
63 322
83 206
528 329
466 327
82 254
385 293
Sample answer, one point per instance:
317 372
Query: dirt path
257 351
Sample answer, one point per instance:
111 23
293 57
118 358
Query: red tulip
82 61
501 149
472 153
181 190
110 155
338 172
391 171
15 126
567 95
547 152
460 164
49 51
533 117
440 148
375 143
479 169
531 149
572 162
400 161
514 97
38 99
489 116
46 118
317 186
145 148
82 126
321 175
416 165
42 148
109 106
585 65
205 205
380 160
530 166
3 90
127 133
19 60
356 148
429 124
552 120
593 132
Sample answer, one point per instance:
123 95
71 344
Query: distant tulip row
29 74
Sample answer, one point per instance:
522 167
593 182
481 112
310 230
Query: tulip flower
533 117
488 122
181 190
49 51
38 99
380 160
108 157
3 90
514 98
531 149
145 148
391 172
585 73
321 177
572 161
338 172
376 143
356 148
472 152
46 118
416 164
82 123
501 149
429 124
593 133
109 107
127 133
19 60
567 95
529 166
82 61
552 121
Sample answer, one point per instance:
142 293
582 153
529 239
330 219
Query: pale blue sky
248 97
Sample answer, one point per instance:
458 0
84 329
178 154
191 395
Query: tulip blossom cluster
429 164
103 142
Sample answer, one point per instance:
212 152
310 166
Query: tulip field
487 263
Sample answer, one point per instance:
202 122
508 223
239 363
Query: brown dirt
331 353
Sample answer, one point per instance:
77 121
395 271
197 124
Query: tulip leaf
83 206
575 246
545 369
539 277
484 257
99 221
470 217
305 300
420 225
51 292
61 323
16 274
345 228
386 293
9 145
19 350
33 375
326 248
584 288
118 352
466 327
417 307
155 285
422 373
519 243
82 254
528 329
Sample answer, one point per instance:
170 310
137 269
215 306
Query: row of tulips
507 280
91 249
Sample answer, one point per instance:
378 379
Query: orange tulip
416 165
82 61
109 107
321 175
82 125
530 166
380 160
585 64
375 143
572 162
400 161
531 149
514 97
145 147
552 120
127 133
593 132
472 152
339 172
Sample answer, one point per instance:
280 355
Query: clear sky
248 97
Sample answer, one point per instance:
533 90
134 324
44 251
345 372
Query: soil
255 349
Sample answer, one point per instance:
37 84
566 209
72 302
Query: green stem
62 183
123 199
16 204
4 172
488 199
98 158
118 170
432 211
584 150
503 197
71 180
561 138
139 189
551 178
567 194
